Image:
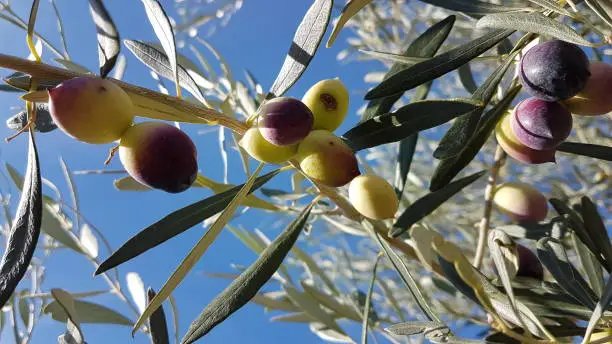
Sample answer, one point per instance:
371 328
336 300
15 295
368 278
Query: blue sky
256 38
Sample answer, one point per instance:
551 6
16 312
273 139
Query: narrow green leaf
159 63
462 130
471 6
467 78
246 286
404 273
306 40
340 310
368 304
274 303
296 317
586 149
424 46
44 123
429 203
413 327
108 36
65 304
88 313
407 149
157 323
176 223
602 305
163 30
594 225
73 66
534 22
601 11
552 254
437 66
553 6
449 168
198 250
351 8
25 229
405 121
590 265
312 308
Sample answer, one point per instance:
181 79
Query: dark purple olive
540 124
285 121
529 264
554 70
159 156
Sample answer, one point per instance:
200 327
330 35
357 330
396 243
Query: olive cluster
561 80
288 128
97 111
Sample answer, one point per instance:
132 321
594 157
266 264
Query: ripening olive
325 158
257 147
514 148
285 121
373 197
91 109
554 70
595 98
539 124
521 202
329 102
529 264
160 156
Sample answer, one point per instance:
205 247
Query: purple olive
285 121
554 70
529 264
541 125
160 156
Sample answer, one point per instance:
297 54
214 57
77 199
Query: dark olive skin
285 121
554 70
159 156
529 264
540 125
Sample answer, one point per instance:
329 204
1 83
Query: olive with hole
329 102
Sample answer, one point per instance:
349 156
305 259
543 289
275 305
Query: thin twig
483 228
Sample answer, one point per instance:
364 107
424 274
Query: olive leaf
65 303
163 30
176 223
25 230
447 169
437 66
108 36
471 6
586 149
349 10
157 323
462 130
534 22
89 313
247 285
44 123
596 229
429 203
304 46
159 63
424 46
405 121
413 327
368 304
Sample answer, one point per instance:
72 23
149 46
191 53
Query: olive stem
483 227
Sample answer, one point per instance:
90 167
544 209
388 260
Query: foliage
436 66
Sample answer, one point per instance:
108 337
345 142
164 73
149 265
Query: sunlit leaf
108 36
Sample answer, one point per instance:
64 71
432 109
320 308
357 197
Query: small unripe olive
539 124
595 98
91 109
373 197
325 158
529 264
329 102
514 148
554 70
159 156
262 150
285 121
521 202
